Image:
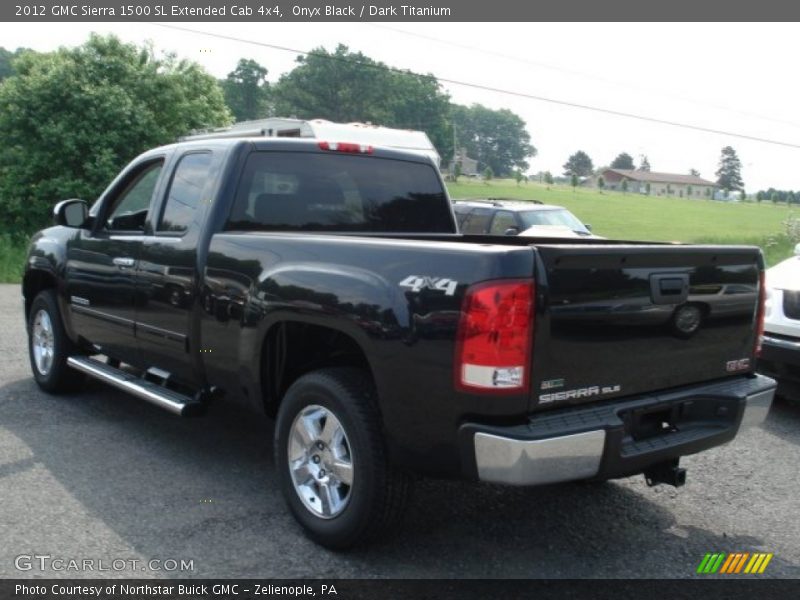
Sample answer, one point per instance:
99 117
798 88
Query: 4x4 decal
417 283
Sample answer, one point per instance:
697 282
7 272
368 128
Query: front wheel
331 459
49 346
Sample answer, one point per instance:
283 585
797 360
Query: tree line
70 119
775 196
345 86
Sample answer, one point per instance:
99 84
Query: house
469 166
660 184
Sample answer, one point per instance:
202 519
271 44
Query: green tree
247 90
6 56
623 161
518 176
694 172
457 171
729 173
548 178
742 195
601 183
574 180
708 192
345 86
644 164
624 185
647 188
760 196
496 138
70 119
488 173
579 164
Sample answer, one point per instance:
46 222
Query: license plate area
653 421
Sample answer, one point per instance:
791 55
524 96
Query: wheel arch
33 282
291 348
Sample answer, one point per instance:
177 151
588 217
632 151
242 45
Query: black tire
58 378
379 492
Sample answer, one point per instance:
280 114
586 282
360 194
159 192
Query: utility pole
453 163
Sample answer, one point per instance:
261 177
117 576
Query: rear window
298 191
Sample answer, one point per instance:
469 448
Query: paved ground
101 475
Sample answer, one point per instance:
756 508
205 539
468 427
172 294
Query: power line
488 88
542 65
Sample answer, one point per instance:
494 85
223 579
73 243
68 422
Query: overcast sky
733 77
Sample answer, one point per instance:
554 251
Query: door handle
122 261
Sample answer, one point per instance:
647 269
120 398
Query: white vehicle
780 354
527 218
360 133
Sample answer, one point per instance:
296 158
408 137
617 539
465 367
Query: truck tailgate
620 320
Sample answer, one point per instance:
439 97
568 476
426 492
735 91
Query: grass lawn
638 217
611 214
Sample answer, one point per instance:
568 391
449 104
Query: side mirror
588 227
511 231
797 250
71 213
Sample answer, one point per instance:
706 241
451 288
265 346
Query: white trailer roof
363 133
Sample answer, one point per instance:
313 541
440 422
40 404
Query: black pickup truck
326 283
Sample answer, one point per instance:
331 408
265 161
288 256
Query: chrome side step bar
147 390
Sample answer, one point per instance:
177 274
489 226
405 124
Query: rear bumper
781 350
615 439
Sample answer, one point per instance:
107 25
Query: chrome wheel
688 318
43 342
320 461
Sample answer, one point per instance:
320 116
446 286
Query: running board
162 397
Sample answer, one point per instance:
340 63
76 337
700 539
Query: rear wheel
49 346
331 460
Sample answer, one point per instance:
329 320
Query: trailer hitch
666 472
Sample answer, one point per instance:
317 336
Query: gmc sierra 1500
326 283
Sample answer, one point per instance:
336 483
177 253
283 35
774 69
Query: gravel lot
102 475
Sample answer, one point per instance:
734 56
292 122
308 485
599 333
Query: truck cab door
167 271
101 263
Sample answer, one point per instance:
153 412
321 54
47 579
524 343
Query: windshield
558 216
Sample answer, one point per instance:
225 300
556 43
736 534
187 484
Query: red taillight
346 147
495 337
762 301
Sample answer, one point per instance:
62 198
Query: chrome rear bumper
609 450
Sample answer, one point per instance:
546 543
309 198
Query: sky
732 77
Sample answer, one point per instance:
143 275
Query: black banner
356 589
271 11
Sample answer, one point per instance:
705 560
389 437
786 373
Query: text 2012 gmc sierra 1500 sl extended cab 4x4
326 283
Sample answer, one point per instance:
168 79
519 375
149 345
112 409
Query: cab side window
128 211
185 192
478 221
